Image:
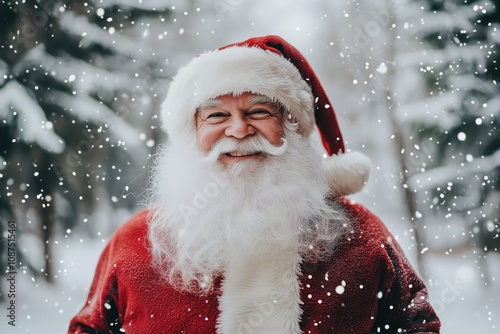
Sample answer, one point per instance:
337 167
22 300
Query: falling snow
416 91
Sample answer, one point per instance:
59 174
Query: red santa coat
367 287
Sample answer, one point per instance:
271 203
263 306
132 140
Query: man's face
238 117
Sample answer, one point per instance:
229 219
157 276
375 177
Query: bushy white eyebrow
262 99
254 99
210 103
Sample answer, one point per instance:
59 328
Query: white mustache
247 146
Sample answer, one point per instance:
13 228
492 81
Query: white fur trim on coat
236 70
261 294
347 173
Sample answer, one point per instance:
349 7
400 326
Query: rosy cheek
203 145
275 132
206 137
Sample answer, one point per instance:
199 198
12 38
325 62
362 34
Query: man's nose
239 127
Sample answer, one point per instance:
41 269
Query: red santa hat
272 67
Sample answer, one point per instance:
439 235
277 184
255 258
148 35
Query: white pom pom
347 173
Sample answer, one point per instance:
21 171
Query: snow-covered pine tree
74 77
454 120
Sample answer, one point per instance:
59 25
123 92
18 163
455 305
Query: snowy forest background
414 84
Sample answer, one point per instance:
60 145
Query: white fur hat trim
236 70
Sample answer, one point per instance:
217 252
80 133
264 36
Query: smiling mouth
241 154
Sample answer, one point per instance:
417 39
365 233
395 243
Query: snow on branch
450 54
432 111
444 22
438 176
84 77
89 110
33 126
88 33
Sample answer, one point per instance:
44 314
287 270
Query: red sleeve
99 314
107 300
403 300
406 304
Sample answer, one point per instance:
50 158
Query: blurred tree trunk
47 216
400 145
46 213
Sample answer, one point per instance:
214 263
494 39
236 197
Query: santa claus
248 229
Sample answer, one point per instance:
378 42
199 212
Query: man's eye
258 113
216 117
216 114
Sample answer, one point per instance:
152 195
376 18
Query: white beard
206 218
